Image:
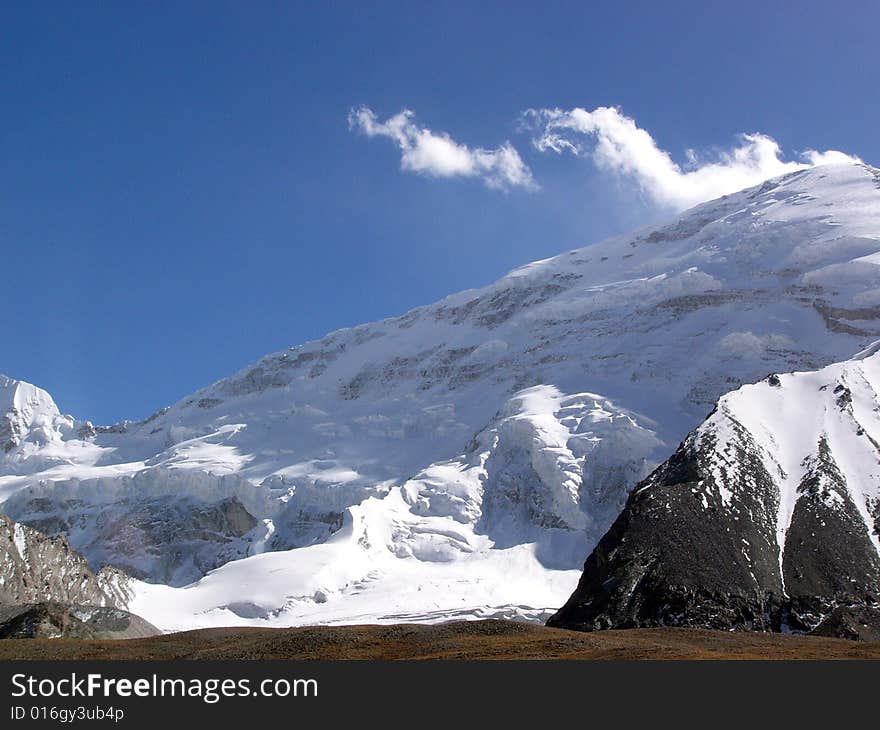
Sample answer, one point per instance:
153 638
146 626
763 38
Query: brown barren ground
460 640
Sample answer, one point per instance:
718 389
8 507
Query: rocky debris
50 620
859 623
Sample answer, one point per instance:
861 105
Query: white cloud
438 155
617 144
829 157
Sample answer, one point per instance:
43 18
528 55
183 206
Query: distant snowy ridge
507 420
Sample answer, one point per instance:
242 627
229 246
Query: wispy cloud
614 142
438 155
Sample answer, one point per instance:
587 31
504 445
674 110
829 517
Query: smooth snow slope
475 448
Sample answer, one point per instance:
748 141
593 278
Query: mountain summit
28 415
463 458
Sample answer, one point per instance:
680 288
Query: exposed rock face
56 620
860 623
830 560
36 568
764 518
173 542
671 560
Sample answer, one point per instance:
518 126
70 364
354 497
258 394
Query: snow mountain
30 422
463 458
766 517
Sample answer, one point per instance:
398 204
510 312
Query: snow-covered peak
25 399
800 421
779 276
813 232
569 376
28 414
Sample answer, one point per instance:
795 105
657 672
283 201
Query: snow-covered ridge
766 517
799 423
28 415
421 413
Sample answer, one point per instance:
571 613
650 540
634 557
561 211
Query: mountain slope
510 418
35 568
767 516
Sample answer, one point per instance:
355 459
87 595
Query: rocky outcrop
173 541
56 620
35 568
860 623
764 518
671 558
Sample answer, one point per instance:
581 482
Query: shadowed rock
56 620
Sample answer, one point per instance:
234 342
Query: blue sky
183 191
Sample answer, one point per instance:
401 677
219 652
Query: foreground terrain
458 640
